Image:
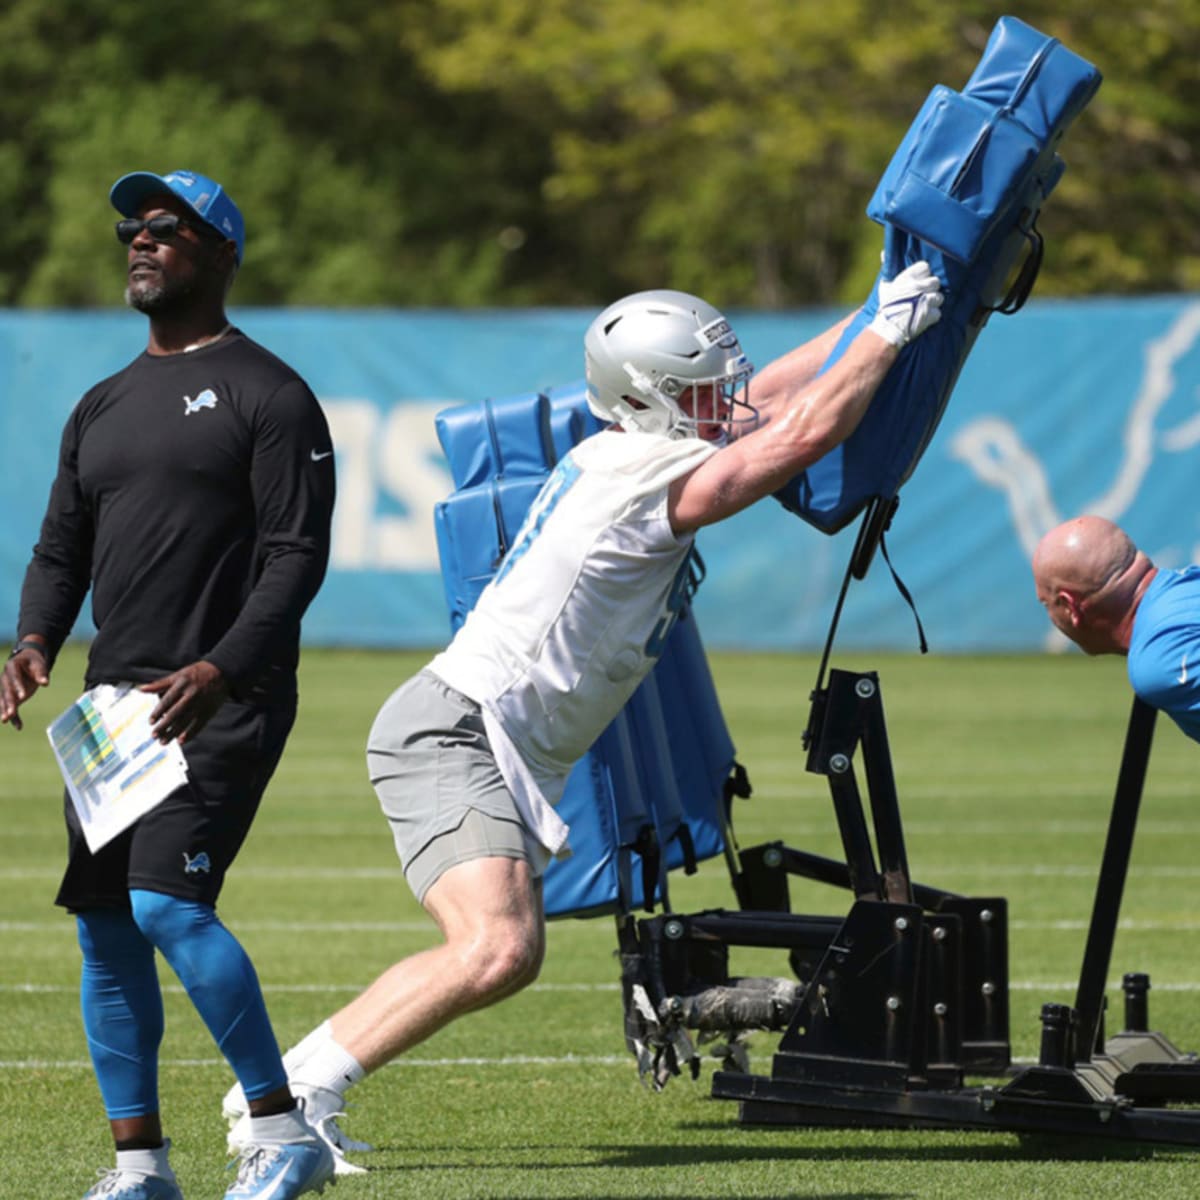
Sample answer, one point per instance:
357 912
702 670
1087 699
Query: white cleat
118 1184
322 1107
282 1170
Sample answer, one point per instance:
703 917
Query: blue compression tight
122 1011
122 1006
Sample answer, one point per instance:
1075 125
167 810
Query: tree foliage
519 152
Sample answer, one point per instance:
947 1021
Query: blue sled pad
963 192
649 796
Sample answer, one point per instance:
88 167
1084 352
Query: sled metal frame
866 1063
909 992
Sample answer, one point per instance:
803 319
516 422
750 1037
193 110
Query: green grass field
1005 767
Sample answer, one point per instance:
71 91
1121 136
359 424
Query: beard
160 297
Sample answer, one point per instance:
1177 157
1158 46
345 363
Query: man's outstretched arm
814 419
773 386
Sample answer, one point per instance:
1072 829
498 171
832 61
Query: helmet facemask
716 409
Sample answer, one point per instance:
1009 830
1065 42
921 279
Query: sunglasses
162 228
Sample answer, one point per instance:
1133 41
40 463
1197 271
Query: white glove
908 304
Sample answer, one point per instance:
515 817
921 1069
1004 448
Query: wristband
27 645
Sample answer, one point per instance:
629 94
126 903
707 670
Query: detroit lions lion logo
206 399
198 865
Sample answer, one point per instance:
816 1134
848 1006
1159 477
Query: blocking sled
887 1012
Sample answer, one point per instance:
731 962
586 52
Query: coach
194 495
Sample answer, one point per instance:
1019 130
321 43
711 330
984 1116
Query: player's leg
467 858
489 912
470 861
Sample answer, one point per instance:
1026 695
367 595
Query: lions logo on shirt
206 399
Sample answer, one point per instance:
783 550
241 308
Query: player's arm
814 419
773 386
818 418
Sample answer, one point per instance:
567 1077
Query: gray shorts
438 783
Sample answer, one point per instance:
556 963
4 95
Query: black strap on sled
1014 301
876 522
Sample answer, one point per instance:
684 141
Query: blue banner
1066 407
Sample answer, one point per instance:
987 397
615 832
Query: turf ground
1005 768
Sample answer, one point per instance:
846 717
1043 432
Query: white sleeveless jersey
577 614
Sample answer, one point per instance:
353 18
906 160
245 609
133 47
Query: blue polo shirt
1164 650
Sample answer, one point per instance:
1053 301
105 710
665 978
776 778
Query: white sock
281 1127
147 1162
293 1060
301 1051
329 1066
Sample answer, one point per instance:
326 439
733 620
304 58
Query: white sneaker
282 1170
322 1107
118 1184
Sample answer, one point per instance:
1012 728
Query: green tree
734 152
1126 217
728 151
519 152
349 166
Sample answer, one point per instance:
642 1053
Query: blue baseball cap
204 196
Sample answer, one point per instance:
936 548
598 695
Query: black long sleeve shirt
194 496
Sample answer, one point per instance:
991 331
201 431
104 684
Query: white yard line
279 989
922 873
70 989
512 1060
933 873
599 925
63 925
366 874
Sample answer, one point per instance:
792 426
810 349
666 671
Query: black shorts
183 846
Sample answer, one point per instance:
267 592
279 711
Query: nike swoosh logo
275 1186
1183 671
317 457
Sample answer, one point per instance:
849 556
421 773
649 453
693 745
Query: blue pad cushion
962 192
656 775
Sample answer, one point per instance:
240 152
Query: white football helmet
645 351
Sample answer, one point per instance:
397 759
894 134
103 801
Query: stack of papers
115 770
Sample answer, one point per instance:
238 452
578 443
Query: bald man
1103 593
